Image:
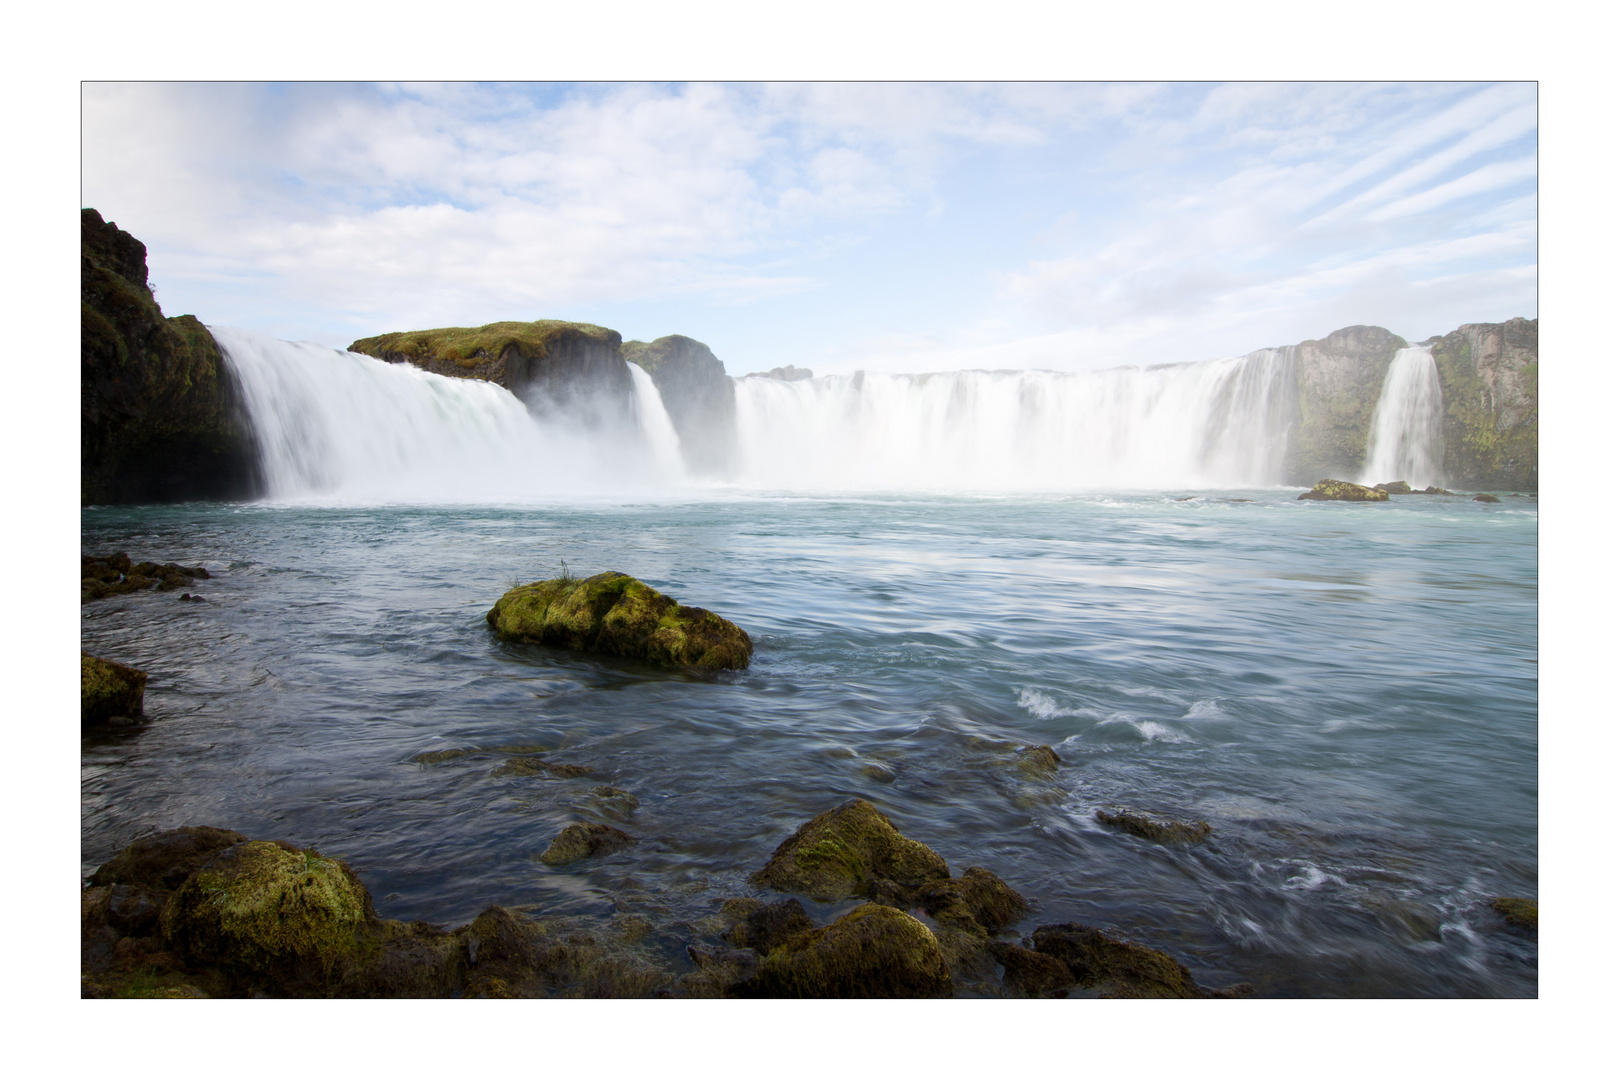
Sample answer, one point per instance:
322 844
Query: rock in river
108 689
615 614
872 952
846 850
1344 491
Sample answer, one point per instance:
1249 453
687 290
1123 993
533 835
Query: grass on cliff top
469 346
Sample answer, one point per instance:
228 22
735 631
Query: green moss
844 851
1519 911
615 614
1038 762
872 952
1481 450
108 689
583 841
262 909
1120 968
470 347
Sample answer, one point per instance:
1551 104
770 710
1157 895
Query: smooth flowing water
1347 693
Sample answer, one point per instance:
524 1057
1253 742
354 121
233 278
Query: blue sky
894 227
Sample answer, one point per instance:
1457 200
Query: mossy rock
1431 490
584 841
765 926
1163 832
1518 911
271 911
615 614
872 952
1485 498
165 860
977 901
1394 487
534 766
1038 762
841 853
1344 491
1030 973
108 689
1120 968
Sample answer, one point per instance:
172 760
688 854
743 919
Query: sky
835 226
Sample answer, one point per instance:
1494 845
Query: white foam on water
1043 706
1207 709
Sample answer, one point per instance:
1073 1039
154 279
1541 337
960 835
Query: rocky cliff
1491 376
699 396
546 361
1339 379
160 418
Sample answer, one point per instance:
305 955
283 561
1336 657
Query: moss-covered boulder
1030 973
763 926
160 412
844 852
270 910
1166 831
1119 968
1038 762
872 952
1344 491
559 362
977 901
1518 911
1394 487
165 860
108 689
615 614
583 841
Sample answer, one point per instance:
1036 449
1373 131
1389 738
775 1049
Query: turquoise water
1347 693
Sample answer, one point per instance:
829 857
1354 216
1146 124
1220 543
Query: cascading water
1222 423
341 427
1407 440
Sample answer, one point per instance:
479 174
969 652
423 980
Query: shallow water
1347 693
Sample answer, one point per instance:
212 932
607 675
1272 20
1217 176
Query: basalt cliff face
160 416
1488 372
1491 376
699 396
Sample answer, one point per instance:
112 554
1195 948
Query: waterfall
1222 423
337 426
1407 440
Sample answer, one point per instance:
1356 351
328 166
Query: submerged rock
533 766
765 926
1344 491
1038 762
108 689
113 575
872 952
615 614
1518 911
846 850
1485 498
1120 968
583 841
1164 832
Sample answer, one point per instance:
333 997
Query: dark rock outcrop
872 952
1394 487
1344 491
845 852
1339 379
548 363
789 373
615 614
1118 968
1485 497
584 841
107 690
765 926
1490 373
699 397
1164 832
160 417
113 575
1030 973
1038 762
